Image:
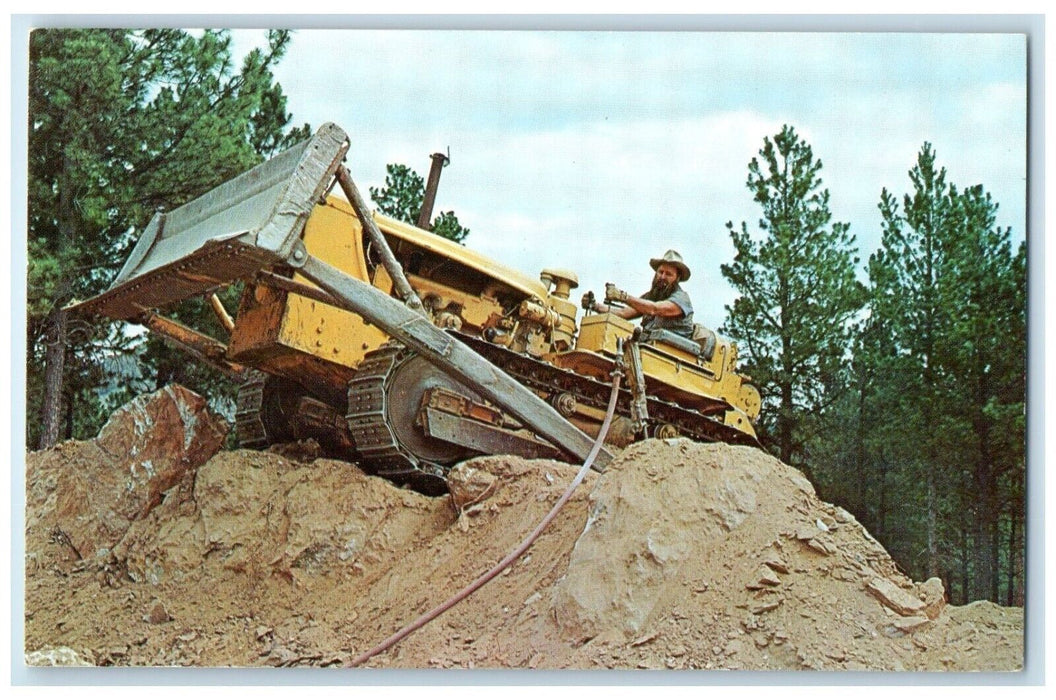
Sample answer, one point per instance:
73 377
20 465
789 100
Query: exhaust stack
426 214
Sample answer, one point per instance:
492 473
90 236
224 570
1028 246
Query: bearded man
665 306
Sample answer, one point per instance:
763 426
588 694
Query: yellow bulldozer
401 350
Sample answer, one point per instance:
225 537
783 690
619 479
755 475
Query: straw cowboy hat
672 257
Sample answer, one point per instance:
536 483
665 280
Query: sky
595 151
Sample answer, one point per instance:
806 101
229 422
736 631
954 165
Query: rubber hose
428 617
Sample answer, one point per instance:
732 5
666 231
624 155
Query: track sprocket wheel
384 402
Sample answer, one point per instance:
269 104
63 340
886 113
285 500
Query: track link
378 447
249 403
379 451
548 379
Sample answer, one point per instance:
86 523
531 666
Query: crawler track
380 450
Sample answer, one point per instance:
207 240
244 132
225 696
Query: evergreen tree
122 123
905 275
947 284
985 357
798 292
401 198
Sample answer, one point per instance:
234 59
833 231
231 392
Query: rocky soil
148 546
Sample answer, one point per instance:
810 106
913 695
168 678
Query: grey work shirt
682 325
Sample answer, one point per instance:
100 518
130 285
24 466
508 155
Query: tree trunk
786 423
1010 578
985 485
55 354
787 410
1018 563
995 561
54 365
859 450
932 507
931 467
881 499
67 433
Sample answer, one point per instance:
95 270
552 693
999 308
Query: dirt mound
680 556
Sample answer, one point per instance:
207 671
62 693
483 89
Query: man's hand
589 302
614 293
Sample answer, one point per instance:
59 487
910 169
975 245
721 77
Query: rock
842 516
818 546
894 597
907 625
777 564
766 607
469 485
934 595
154 439
734 647
807 532
765 576
300 451
56 656
836 654
148 447
641 530
279 656
158 615
645 640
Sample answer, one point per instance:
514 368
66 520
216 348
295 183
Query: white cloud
596 151
602 199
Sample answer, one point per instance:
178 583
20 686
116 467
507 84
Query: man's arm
626 312
641 307
636 306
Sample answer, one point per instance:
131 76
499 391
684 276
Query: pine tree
905 275
122 123
797 291
984 354
945 281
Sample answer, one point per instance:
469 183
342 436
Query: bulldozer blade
232 232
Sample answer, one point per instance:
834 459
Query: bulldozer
401 350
